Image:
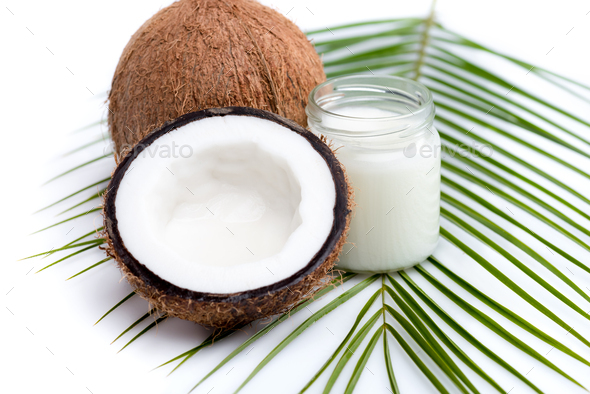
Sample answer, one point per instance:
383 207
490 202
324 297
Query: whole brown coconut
198 54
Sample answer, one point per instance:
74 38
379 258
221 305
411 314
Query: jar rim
426 105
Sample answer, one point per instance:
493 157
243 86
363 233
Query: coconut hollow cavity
197 54
227 215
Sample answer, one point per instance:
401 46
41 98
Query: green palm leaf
89 126
512 285
118 304
389 366
494 326
75 193
442 360
360 366
155 323
342 345
463 332
507 313
69 219
87 145
343 279
79 167
90 267
471 230
351 348
411 308
417 360
93 246
428 343
307 323
135 323
97 196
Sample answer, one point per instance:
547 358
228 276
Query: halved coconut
228 215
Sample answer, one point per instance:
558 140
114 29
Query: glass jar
382 130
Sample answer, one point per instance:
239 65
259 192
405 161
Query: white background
56 59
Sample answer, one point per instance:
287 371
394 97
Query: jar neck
370 109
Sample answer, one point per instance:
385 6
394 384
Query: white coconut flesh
226 204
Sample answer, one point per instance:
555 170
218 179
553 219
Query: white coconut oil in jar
382 128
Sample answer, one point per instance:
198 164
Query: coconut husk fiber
198 54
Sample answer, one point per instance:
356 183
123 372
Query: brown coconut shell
236 309
197 54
